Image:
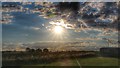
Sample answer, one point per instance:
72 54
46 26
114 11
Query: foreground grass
92 61
98 61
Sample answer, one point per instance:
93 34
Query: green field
92 61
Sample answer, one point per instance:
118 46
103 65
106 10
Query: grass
92 61
98 61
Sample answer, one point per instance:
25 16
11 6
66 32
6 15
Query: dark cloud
90 12
73 6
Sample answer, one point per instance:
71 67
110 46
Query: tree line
37 50
41 56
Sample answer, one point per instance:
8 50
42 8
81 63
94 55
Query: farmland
62 58
92 61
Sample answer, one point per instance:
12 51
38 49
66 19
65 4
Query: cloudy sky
26 25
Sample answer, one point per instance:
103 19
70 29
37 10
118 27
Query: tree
32 50
45 50
27 49
38 50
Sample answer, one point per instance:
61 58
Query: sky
25 27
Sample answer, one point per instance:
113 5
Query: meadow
73 59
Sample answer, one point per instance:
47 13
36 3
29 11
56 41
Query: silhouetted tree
27 49
38 50
45 50
32 50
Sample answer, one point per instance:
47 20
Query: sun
58 29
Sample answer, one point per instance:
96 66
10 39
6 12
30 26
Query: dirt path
66 62
78 63
69 62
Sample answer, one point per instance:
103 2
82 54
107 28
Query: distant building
110 51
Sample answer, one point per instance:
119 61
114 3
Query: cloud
12 46
72 20
97 21
83 39
6 18
35 28
55 46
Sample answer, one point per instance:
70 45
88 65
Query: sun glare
58 29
